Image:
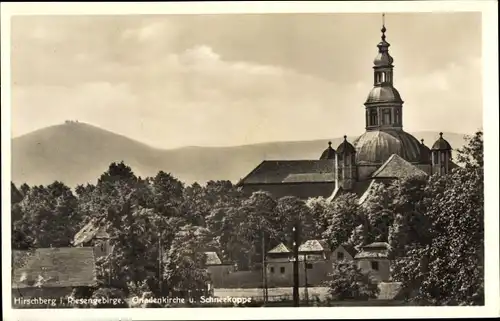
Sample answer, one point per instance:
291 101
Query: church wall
364 171
426 168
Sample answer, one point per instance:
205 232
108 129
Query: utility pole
296 242
306 293
160 274
264 269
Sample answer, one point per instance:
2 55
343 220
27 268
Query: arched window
397 116
386 120
373 118
383 77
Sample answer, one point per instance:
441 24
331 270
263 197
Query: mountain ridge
57 153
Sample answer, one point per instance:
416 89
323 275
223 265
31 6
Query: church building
382 153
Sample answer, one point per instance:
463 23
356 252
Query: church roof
280 248
54 267
213 258
92 230
397 167
313 246
349 249
375 147
345 147
291 171
367 191
359 189
441 144
374 250
383 94
328 153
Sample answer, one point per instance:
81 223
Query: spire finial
383 27
422 141
330 144
441 134
345 137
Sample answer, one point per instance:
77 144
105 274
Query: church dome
375 147
441 144
346 148
384 94
329 152
383 59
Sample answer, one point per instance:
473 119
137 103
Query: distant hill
78 153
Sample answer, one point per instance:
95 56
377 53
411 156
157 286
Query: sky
222 80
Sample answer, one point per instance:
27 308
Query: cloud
148 31
197 97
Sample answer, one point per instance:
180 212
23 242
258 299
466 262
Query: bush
349 283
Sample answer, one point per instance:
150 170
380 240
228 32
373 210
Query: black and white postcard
283 159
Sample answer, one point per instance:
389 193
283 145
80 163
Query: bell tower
384 107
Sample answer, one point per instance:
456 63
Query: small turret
425 153
441 156
346 164
328 153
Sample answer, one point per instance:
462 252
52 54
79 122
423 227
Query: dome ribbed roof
383 59
383 94
375 147
328 153
346 148
441 144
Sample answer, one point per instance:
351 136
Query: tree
185 268
24 189
349 283
379 213
117 171
342 216
359 236
410 223
253 223
15 195
318 208
472 154
201 201
448 270
290 209
50 216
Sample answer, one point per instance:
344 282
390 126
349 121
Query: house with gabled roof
51 273
343 253
217 269
94 234
314 263
374 260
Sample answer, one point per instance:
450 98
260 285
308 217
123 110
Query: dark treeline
434 223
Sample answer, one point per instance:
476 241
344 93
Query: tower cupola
384 103
328 153
441 156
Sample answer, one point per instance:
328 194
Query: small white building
374 259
